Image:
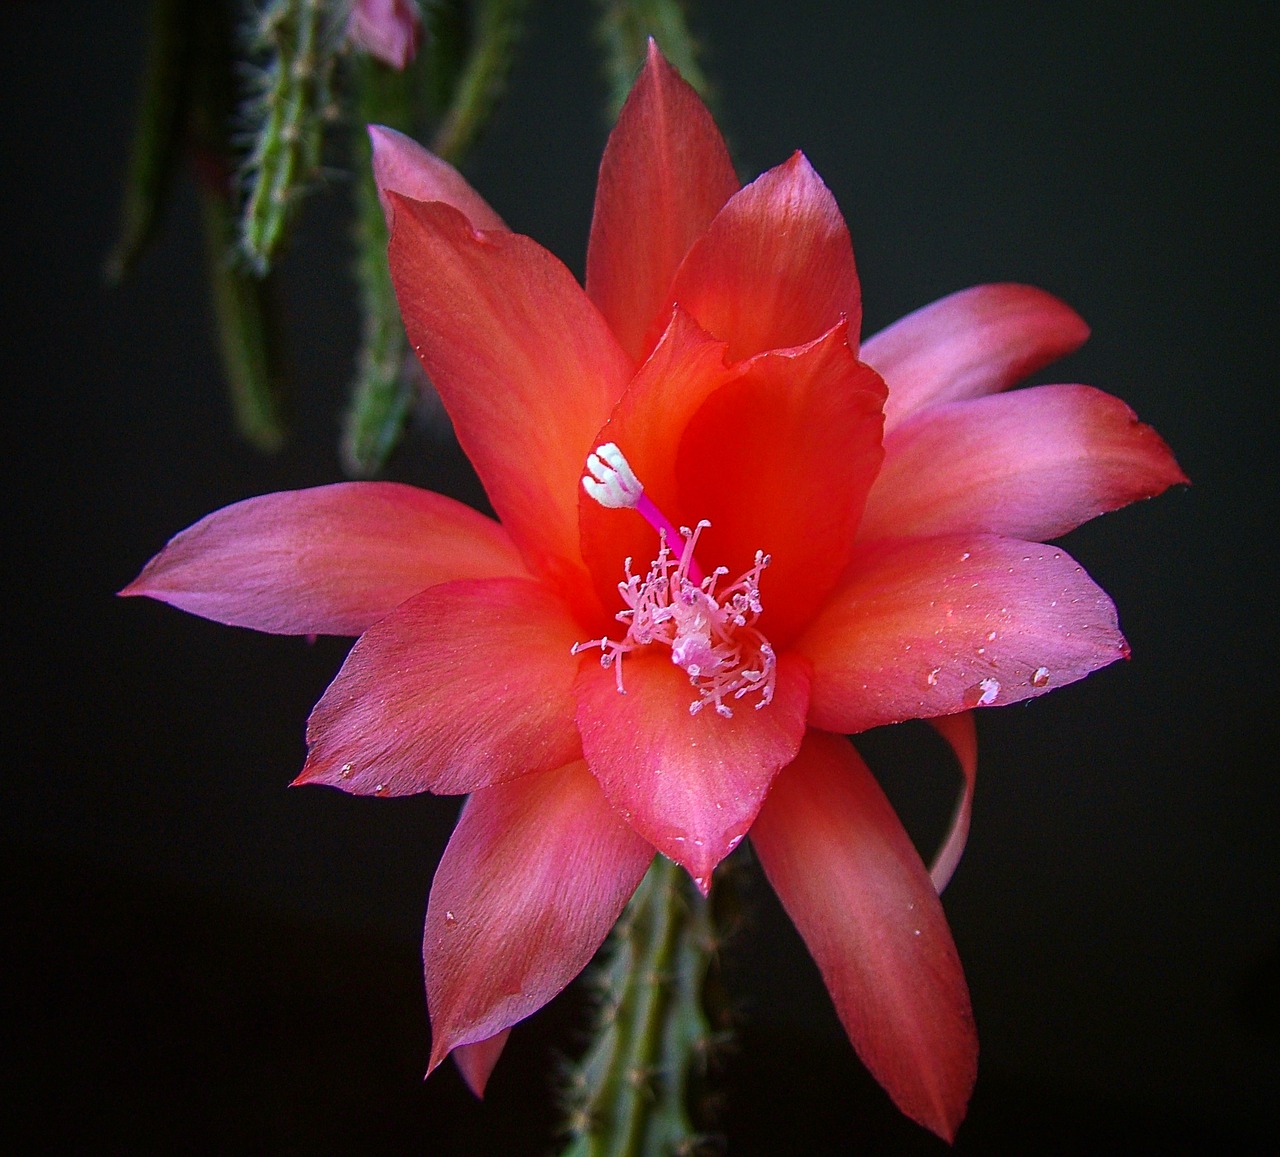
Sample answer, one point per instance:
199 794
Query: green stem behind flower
300 38
624 30
629 1095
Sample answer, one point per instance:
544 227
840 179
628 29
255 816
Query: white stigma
610 479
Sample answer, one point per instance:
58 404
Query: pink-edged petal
476 1061
775 269
535 875
466 685
933 626
524 363
852 883
962 736
690 784
664 176
803 429
1029 464
401 165
327 561
975 342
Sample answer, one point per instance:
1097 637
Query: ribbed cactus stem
630 1094
286 120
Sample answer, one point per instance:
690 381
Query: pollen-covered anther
710 632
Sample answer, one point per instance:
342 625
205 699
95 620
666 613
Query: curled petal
849 878
327 561
1029 464
401 165
524 363
775 269
690 784
476 1061
466 685
686 367
804 426
535 875
962 737
934 626
664 176
975 342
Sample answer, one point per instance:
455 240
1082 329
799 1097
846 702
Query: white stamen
611 481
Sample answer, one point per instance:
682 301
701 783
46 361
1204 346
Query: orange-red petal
526 366
775 268
933 626
849 878
1028 464
974 342
331 560
690 784
664 176
781 460
466 685
535 875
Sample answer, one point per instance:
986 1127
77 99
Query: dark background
204 961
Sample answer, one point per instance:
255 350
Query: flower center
711 632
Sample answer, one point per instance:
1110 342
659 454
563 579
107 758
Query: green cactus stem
383 392
623 31
630 1094
286 120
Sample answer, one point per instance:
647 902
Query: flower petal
775 269
535 875
962 737
476 1061
327 561
526 367
690 784
464 686
975 342
686 367
925 627
1029 464
391 30
781 461
664 176
401 165
851 881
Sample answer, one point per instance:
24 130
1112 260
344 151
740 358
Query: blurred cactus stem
157 136
244 304
470 58
286 119
383 391
629 1095
623 31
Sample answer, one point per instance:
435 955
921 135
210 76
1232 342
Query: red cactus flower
391 30
723 547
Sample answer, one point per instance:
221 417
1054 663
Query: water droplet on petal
345 772
379 789
450 918
1040 678
932 678
984 694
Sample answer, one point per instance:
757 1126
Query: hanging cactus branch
629 1095
497 27
623 31
286 120
383 392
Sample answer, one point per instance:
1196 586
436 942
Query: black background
204 961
